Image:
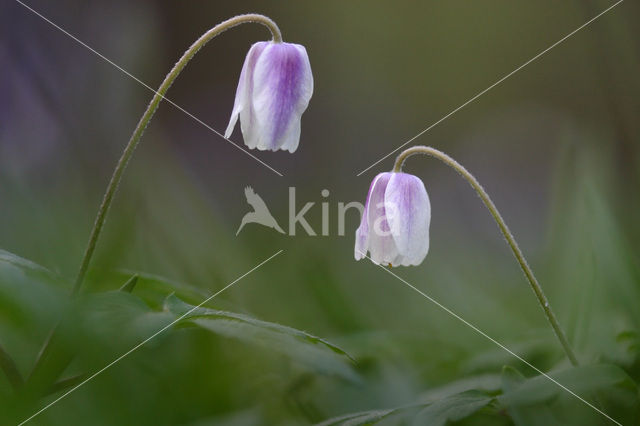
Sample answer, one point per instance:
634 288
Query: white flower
274 90
395 222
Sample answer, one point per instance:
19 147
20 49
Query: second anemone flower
395 221
274 90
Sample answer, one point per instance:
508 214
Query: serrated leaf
154 289
311 351
356 419
108 323
482 382
453 408
128 286
117 312
580 380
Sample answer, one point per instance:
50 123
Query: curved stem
144 121
544 303
135 139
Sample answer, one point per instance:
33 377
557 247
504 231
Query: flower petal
408 215
291 138
242 101
362 239
381 243
282 88
362 233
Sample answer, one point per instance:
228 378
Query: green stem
135 139
144 121
544 303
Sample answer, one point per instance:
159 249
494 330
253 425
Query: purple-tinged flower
274 90
395 221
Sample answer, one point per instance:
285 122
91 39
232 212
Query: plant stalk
542 299
144 122
135 139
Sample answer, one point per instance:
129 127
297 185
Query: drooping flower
395 222
274 90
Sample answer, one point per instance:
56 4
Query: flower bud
274 90
395 221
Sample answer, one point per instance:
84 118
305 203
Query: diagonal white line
147 86
146 340
494 85
482 333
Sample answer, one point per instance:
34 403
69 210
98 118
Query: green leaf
29 293
581 380
511 378
106 324
154 289
66 383
627 335
524 416
121 313
356 419
493 359
22 263
452 408
482 382
308 350
130 284
630 340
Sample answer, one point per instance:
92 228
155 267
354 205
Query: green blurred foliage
556 145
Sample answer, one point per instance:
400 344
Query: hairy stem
146 118
135 139
544 303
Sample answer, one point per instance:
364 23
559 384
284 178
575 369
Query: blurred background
557 146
